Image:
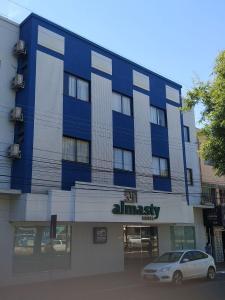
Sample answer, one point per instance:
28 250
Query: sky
177 39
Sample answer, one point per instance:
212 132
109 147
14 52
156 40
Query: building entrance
140 241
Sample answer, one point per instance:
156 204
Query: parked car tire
177 278
211 273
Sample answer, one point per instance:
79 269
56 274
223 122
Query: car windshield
169 257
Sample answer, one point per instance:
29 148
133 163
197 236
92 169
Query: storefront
98 231
140 241
214 221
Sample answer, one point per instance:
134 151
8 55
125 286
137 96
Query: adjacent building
96 141
213 195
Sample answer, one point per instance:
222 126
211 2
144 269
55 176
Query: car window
199 255
188 255
169 257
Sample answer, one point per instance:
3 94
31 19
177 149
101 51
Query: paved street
127 285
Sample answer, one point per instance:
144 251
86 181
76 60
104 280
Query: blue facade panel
76 118
72 172
160 141
157 92
123 131
21 173
124 178
122 79
162 184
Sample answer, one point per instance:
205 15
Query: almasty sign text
123 209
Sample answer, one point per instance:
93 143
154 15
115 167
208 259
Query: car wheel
211 273
177 278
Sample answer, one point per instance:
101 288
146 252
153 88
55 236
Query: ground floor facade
214 221
95 234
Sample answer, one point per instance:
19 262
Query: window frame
39 232
187 129
132 161
191 183
75 152
158 109
66 86
168 167
121 104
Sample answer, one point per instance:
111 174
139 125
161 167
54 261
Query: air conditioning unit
20 48
18 82
14 151
16 114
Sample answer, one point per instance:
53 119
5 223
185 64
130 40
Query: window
34 251
182 237
75 150
189 177
158 116
160 166
208 194
123 159
77 88
196 255
186 134
122 104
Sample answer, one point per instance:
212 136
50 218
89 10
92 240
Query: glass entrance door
140 241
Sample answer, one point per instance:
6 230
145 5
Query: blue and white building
97 140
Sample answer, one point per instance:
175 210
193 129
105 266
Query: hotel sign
149 212
130 196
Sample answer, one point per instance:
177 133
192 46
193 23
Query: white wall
176 150
48 123
6 241
87 258
164 238
142 138
200 232
102 130
9 33
192 159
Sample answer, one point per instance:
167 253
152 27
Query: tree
212 95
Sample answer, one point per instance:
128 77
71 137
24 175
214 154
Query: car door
187 266
201 260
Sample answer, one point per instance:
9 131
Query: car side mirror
185 260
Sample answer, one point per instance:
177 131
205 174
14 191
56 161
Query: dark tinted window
188 256
198 255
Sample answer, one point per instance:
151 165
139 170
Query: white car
176 266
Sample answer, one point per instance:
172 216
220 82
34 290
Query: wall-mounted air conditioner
20 48
14 151
18 82
16 114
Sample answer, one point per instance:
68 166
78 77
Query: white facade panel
192 159
172 94
6 241
51 40
142 138
9 34
141 80
200 230
175 150
48 124
94 203
62 203
102 134
101 62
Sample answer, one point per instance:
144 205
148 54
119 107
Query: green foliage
212 95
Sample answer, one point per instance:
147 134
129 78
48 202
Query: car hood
157 266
